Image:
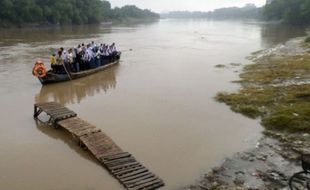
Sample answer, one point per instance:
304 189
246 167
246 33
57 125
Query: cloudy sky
193 5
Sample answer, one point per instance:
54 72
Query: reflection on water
64 136
47 34
36 35
75 91
273 34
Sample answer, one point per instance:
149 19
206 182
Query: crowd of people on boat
83 57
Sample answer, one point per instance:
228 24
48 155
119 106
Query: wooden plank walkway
55 111
122 165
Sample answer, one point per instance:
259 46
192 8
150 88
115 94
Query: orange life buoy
39 69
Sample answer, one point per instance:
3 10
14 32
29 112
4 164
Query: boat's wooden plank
111 152
96 142
40 105
61 114
80 129
74 123
142 181
46 103
106 151
74 120
138 179
116 168
98 148
136 176
131 167
69 122
76 128
99 143
121 162
83 126
153 186
88 132
145 185
144 170
117 156
129 170
103 150
49 106
58 112
110 146
95 137
118 160
55 109
66 112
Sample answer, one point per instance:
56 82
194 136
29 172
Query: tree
289 11
65 12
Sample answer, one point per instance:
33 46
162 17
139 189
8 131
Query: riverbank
276 89
128 21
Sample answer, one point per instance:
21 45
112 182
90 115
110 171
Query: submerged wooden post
122 165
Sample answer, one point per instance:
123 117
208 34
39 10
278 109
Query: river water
157 104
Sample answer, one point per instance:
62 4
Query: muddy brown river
157 104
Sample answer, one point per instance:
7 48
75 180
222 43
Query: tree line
289 11
248 11
295 12
19 12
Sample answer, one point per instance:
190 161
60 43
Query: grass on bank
277 90
307 40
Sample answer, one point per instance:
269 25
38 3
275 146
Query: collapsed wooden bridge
122 165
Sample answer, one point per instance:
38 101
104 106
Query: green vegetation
248 11
290 11
295 12
132 12
277 90
21 12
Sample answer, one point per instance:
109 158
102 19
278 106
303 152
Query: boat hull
56 78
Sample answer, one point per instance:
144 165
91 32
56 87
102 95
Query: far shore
58 25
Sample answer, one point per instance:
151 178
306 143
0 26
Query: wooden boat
52 77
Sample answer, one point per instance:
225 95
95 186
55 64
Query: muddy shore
276 156
267 166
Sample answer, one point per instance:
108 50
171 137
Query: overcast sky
192 5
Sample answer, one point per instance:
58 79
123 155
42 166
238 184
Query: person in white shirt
93 45
102 53
90 57
114 51
70 56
